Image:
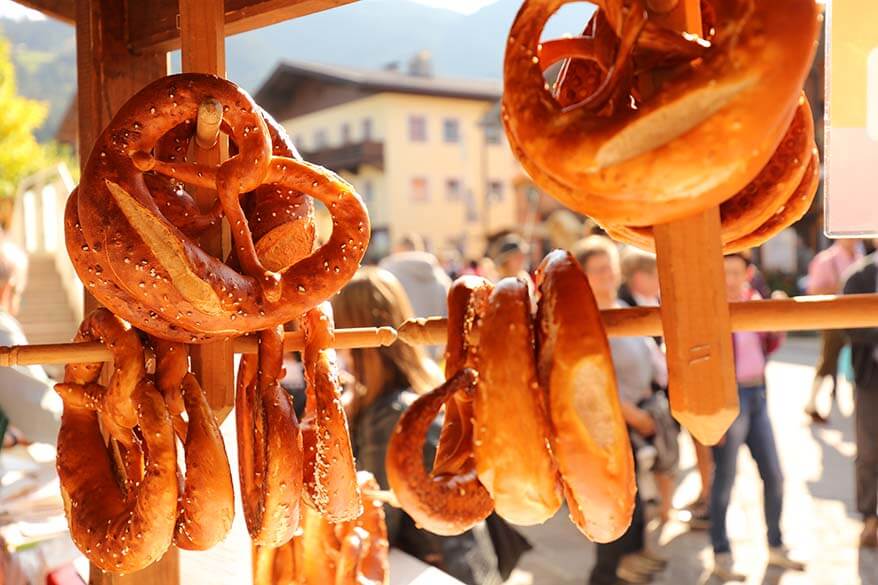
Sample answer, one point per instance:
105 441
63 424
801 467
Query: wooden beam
63 10
153 24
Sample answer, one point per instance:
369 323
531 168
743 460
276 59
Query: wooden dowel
207 128
795 314
70 353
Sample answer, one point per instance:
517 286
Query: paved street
819 522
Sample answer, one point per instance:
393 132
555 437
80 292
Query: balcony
350 157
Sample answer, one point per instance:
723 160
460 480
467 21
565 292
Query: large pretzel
269 445
589 438
138 263
119 530
207 503
330 477
699 135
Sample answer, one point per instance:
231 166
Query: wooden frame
122 45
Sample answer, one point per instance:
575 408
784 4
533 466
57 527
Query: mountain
364 34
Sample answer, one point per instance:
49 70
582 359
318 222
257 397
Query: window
493 134
367 129
320 140
495 190
417 129
420 190
452 190
345 133
451 130
367 191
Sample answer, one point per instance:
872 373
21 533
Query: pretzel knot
646 125
120 528
135 256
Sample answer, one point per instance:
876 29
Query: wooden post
695 312
203 51
107 75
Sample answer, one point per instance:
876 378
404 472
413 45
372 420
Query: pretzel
786 174
269 445
442 505
207 504
589 438
364 554
330 478
467 298
119 530
138 263
699 136
510 441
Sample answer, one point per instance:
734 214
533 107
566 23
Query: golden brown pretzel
269 445
139 264
441 505
330 477
512 427
589 438
743 214
207 504
467 298
699 138
119 530
363 559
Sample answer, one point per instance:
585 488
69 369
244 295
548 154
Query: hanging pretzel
788 176
269 445
511 436
467 299
207 503
442 505
330 478
589 438
146 270
118 529
700 135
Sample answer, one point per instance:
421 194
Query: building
415 146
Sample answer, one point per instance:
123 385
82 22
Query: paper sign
851 162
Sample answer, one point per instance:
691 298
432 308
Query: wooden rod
796 314
71 353
207 128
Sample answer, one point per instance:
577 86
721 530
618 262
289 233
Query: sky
10 9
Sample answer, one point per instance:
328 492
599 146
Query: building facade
417 148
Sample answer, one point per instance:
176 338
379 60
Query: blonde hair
593 246
634 261
375 298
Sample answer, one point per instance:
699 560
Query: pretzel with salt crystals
138 263
705 128
207 502
120 529
269 445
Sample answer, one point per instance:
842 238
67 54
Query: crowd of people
382 382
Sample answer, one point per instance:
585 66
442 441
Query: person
388 379
640 288
509 254
27 397
425 282
825 278
753 428
636 366
863 278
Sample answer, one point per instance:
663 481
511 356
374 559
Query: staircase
46 315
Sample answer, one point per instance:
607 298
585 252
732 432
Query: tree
20 153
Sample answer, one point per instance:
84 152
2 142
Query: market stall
122 49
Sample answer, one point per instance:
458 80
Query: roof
373 81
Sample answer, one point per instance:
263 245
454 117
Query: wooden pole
203 51
107 75
695 314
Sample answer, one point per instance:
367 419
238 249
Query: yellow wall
439 220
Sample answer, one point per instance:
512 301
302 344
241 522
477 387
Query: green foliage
20 154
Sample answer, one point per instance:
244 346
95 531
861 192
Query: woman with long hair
388 379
